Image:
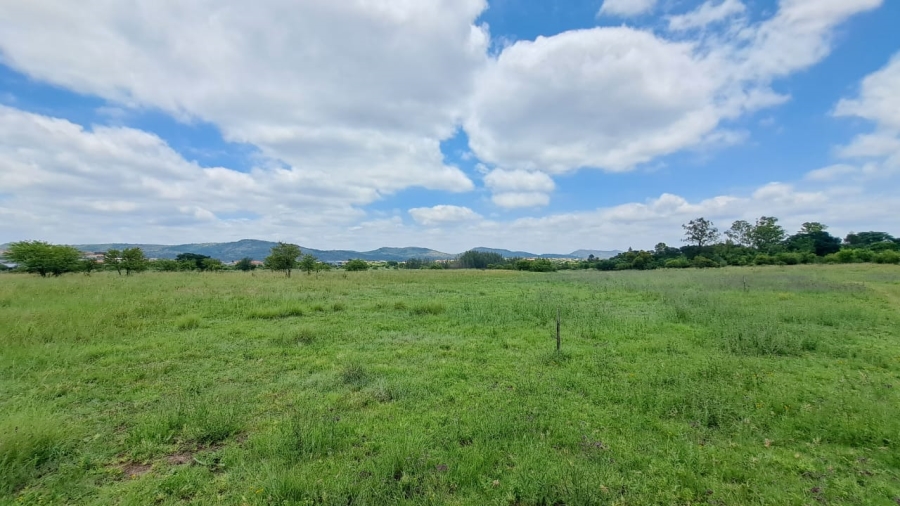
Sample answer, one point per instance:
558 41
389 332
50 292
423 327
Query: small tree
308 263
245 264
113 260
88 265
213 264
812 227
767 234
356 265
700 231
43 258
283 257
133 260
740 233
195 259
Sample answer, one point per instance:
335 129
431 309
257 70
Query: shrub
678 263
763 259
701 262
788 258
864 255
356 265
888 257
846 256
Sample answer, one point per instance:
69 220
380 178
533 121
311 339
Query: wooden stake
557 330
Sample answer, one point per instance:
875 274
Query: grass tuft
428 308
28 442
188 322
272 313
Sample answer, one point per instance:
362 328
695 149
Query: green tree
112 259
283 257
812 227
767 234
38 257
133 260
87 266
740 233
308 263
165 265
213 264
192 258
701 232
245 264
356 265
867 239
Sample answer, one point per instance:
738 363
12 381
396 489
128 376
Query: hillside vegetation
755 385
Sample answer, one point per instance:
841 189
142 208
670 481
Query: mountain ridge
257 250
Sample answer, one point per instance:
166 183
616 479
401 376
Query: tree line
763 242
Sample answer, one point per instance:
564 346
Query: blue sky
542 125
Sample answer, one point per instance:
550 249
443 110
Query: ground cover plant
757 385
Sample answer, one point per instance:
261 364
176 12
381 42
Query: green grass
769 385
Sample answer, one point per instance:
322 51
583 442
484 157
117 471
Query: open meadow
767 385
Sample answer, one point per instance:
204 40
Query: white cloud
617 97
512 200
626 8
878 102
442 214
707 14
830 173
360 93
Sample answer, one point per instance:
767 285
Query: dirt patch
134 470
180 459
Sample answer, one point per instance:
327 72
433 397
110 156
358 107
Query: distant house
257 263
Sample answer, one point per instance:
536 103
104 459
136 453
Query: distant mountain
602 255
258 250
581 254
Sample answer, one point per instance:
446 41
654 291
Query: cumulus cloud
442 214
707 14
616 97
626 8
519 188
878 102
361 93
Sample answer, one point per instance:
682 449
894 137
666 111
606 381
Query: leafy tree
700 231
87 266
113 260
283 257
473 259
133 260
820 243
165 265
38 257
213 264
812 227
356 265
393 264
740 233
192 258
867 239
308 263
245 264
767 234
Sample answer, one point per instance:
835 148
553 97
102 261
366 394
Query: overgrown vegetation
760 385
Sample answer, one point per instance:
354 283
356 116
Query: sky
537 125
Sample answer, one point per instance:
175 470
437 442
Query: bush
356 265
788 258
808 258
888 257
846 256
831 259
864 255
678 263
763 259
701 262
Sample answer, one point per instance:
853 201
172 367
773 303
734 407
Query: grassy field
735 386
